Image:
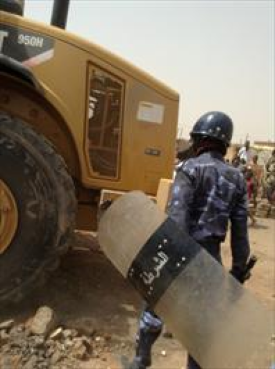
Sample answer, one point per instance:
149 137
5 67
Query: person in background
245 153
242 166
258 177
251 189
270 179
206 194
236 161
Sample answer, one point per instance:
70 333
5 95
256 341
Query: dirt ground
88 294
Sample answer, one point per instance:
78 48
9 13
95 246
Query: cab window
104 128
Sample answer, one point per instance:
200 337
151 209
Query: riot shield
216 319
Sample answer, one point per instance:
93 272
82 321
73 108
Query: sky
219 55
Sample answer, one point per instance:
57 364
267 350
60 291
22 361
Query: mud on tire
44 194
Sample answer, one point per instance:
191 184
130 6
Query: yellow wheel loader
78 127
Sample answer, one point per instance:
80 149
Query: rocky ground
33 345
86 315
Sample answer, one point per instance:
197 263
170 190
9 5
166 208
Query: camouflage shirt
206 194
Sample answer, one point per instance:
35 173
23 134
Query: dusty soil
89 295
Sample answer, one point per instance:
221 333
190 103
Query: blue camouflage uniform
206 194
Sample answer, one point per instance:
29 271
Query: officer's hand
237 274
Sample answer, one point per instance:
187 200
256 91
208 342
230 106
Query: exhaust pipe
22 4
60 13
13 6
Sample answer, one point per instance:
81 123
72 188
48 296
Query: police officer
206 194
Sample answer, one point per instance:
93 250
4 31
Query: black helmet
214 124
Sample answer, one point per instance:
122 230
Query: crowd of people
260 179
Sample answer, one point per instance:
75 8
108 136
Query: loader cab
116 124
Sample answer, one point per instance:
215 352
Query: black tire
44 193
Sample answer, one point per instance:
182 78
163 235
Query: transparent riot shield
215 318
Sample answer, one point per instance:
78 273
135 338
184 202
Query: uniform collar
213 154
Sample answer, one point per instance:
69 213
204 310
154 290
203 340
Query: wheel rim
8 217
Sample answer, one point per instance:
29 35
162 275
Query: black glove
242 274
238 274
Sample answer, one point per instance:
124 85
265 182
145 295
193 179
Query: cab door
104 131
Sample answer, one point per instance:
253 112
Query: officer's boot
145 340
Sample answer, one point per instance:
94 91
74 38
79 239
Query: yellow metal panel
164 193
148 136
